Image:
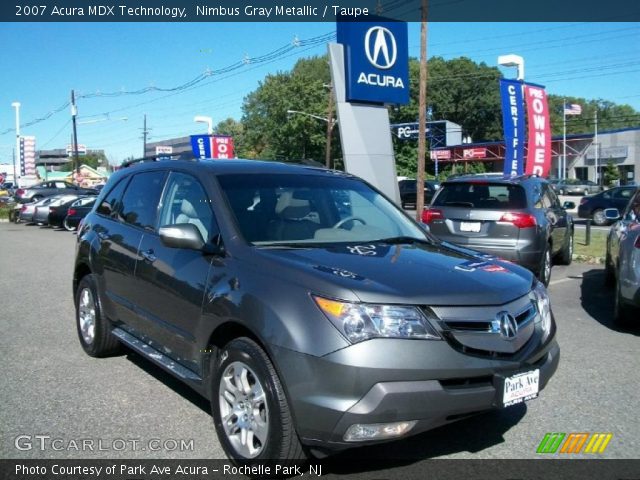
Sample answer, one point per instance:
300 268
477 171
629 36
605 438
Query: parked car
58 214
76 214
28 209
6 189
408 193
307 329
519 219
594 206
622 263
41 212
48 189
573 186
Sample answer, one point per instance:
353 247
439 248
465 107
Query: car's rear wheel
544 274
599 218
609 272
94 330
68 227
250 410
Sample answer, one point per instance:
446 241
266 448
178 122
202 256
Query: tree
611 174
93 160
236 130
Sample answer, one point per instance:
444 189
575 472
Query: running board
155 356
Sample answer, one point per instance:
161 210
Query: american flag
572 109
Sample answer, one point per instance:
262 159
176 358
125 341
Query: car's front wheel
250 410
67 226
544 274
94 330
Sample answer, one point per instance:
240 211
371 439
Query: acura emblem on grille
505 324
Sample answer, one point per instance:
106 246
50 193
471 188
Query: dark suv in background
519 219
311 311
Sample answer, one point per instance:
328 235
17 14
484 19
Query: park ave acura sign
376 61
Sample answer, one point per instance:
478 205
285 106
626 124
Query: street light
16 105
207 120
331 122
512 60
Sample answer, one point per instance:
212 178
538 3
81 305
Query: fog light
377 431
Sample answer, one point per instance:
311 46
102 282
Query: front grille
522 318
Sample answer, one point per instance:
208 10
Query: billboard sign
376 61
513 125
474 153
82 150
212 146
164 150
440 154
539 140
27 155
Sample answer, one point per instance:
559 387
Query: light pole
331 122
207 120
16 105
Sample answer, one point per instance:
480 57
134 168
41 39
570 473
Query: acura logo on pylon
383 44
507 325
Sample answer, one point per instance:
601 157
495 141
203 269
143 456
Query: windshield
312 209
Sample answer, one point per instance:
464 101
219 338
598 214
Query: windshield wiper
403 239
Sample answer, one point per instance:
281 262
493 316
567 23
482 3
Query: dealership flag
539 139
572 109
513 125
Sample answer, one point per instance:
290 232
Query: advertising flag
212 146
539 140
513 125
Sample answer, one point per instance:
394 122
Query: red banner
222 146
539 144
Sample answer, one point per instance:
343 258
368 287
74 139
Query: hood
417 274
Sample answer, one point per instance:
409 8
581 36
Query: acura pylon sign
376 61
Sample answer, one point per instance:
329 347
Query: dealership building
620 147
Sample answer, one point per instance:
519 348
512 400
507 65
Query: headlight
361 321
543 304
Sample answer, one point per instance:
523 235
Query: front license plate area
518 388
470 227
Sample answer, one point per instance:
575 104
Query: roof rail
157 158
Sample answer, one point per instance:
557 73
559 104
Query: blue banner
201 146
513 124
376 60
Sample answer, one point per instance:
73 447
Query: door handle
149 256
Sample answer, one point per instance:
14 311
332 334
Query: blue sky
42 62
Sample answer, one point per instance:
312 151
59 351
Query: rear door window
110 203
481 195
140 201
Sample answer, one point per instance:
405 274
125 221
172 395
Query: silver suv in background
517 218
622 264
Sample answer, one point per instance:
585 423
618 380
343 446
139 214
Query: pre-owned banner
539 140
513 125
212 146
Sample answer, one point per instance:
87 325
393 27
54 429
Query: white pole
16 105
563 162
596 144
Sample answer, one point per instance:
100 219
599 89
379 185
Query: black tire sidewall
244 350
89 281
541 275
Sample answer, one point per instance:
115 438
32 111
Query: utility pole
145 132
422 108
74 114
330 123
563 164
596 145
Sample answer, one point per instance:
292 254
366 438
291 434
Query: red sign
474 153
222 147
539 140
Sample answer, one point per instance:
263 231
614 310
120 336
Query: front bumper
385 380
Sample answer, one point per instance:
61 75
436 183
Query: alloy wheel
87 316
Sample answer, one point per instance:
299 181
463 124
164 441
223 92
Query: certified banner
513 125
539 140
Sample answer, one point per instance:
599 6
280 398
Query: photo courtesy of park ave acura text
372 239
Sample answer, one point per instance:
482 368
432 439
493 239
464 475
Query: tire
622 313
609 272
68 227
561 191
565 257
94 331
544 274
242 358
598 217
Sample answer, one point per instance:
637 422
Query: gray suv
310 310
519 219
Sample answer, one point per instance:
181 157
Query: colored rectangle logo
573 443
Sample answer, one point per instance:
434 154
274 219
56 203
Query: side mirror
568 205
611 214
182 235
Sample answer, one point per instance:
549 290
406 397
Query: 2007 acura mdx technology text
308 308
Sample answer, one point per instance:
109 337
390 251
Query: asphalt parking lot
52 389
